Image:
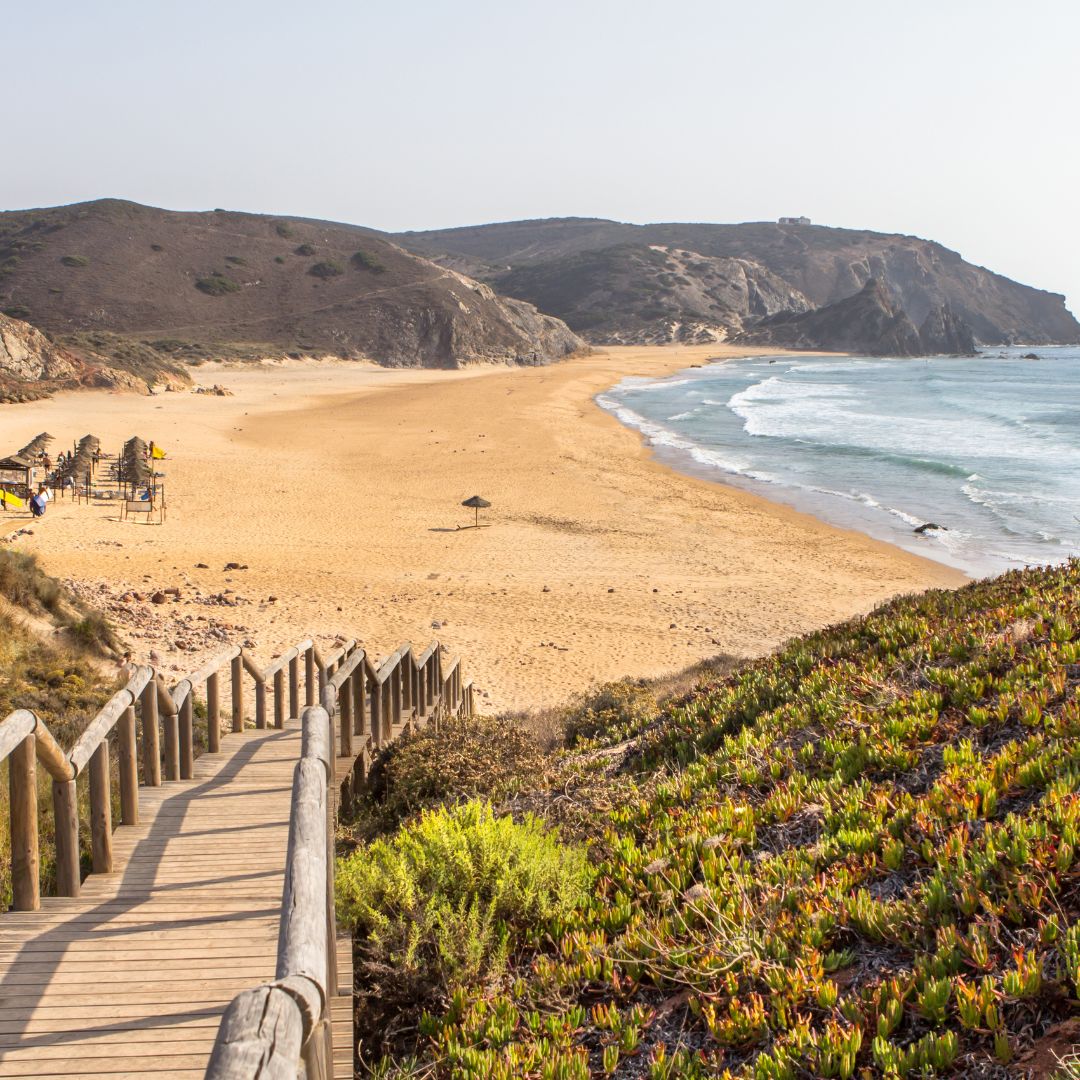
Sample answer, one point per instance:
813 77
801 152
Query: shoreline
680 459
339 487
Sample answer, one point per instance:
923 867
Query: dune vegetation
853 858
62 679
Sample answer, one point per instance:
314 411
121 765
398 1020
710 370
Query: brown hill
146 286
556 262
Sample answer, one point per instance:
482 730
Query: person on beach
37 506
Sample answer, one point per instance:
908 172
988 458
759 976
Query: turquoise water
988 447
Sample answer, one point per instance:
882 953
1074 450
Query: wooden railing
282 1029
350 708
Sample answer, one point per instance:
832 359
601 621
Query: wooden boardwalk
131 978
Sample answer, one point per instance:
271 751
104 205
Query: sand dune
339 486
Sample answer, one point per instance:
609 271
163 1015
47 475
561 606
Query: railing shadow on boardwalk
148 853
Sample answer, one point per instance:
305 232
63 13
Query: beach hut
477 504
19 474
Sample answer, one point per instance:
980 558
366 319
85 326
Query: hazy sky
951 119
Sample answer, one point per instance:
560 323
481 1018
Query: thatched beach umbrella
476 503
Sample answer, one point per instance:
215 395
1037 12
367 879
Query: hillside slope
119 278
817 265
857 857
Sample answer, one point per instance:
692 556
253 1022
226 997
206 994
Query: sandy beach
339 487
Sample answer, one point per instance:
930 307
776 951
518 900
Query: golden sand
339 485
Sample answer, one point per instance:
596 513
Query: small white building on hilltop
794 221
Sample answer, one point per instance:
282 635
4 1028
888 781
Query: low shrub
617 708
327 269
283 229
75 260
364 260
279 259
93 633
156 247
304 249
217 284
25 584
17 311
466 757
452 897
236 260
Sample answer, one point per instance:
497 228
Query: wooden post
309 676
25 869
279 698
213 713
66 823
237 694
405 666
151 739
359 704
101 809
187 738
387 712
294 688
376 712
395 695
172 746
260 703
346 717
129 768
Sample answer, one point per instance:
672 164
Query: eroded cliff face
652 294
871 322
27 355
32 366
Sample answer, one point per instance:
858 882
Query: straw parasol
477 504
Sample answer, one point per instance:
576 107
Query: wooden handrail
99 728
297 1002
276 1029
268 1031
348 666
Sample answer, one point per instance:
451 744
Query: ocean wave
894 443
658 435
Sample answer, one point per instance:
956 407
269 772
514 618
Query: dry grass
61 684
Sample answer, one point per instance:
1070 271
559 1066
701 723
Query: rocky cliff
871 323
152 288
632 294
617 282
27 355
32 366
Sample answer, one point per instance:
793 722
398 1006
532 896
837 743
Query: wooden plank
132 978
105 1066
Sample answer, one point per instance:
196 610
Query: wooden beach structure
203 942
22 471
